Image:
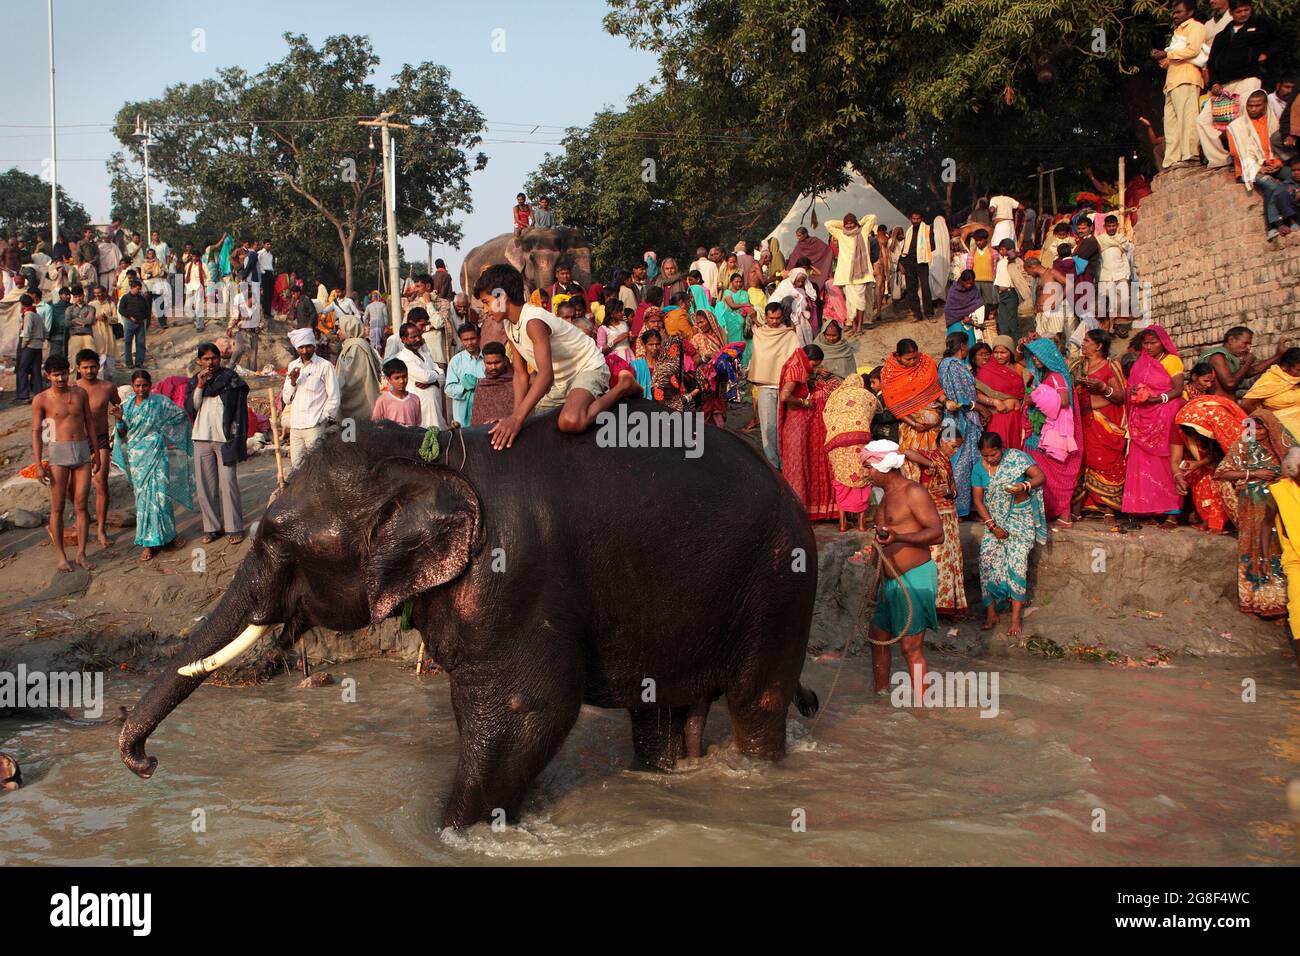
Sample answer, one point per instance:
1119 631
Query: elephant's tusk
227 654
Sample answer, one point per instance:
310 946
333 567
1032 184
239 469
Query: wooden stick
275 433
1123 214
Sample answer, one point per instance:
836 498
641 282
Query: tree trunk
346 239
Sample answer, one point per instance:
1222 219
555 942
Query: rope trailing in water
870 599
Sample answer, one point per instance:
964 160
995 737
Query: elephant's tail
806 701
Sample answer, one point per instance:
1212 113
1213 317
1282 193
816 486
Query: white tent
858 197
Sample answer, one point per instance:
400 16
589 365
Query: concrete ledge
1086 585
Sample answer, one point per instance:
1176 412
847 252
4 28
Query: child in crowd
396 404
523 214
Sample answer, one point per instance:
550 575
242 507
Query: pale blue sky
107 54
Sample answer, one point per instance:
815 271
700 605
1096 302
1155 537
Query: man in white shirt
312 389
1113 292
216 453
707 269
196 281
571 372
423 377
1003 210
266 274
246 327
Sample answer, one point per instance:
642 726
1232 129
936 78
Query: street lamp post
144 134
54 144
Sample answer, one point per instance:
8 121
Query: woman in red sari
1000 388
804 390
1102 392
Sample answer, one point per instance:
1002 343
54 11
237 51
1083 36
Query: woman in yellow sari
1284 508
1278 391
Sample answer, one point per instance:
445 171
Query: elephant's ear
515 253
424 530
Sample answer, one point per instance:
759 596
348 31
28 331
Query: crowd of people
1029 421
1229 105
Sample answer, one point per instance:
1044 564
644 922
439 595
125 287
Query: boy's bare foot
104 541
82 561
64 566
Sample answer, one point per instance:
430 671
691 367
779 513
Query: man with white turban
907 523
312 389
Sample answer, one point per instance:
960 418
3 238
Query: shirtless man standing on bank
73 454
907 523
101 394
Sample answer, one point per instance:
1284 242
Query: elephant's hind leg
511 726
657 734
759 721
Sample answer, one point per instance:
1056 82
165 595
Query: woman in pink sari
1052 428
1152 484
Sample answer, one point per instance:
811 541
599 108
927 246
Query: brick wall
1200 249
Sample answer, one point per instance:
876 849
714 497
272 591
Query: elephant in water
530 597
536 254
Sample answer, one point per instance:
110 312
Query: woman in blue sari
1009 500
147 426
958 386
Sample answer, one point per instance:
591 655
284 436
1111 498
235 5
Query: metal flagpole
54 143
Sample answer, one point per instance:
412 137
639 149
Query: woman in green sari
1008 498
147 426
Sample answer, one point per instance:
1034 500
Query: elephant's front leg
512 721
658 735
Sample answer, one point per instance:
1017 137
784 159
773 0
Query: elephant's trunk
225 636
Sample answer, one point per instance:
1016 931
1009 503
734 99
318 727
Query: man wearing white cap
907 523
312 389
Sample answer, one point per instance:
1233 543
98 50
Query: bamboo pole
1123 206
275 435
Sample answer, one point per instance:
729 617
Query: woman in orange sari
804 390
909 385
1213 424
1102 390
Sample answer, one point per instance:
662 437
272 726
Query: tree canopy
280 155
25 207
937 101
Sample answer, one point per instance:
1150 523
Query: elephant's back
612 489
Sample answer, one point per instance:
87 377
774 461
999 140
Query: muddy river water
1174 764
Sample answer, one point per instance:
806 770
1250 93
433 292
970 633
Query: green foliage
25 208
280 154
632 183
906 89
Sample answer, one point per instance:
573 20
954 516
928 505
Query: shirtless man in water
907 523
101 394
74 455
